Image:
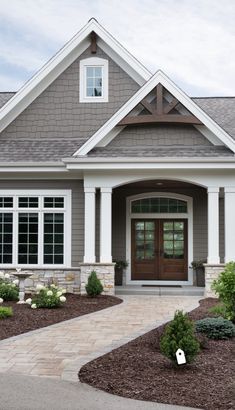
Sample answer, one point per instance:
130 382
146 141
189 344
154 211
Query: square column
89 228
229 214
213 225
106 225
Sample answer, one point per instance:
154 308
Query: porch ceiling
159 185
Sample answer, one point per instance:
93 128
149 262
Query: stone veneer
211 273
104 271
68 279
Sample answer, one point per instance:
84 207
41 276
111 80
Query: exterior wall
57 113
161 135
68 279
77 208
221 230
199 196
105 273
211 273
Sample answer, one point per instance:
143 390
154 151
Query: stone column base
211 273
104 271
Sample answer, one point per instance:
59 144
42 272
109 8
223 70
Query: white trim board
183 98
62 60
188 215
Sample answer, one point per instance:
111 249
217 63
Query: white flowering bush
49 297
8 290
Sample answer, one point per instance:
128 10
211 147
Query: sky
192 41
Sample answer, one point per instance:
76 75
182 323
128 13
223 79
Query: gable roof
186 101
63 59
221 109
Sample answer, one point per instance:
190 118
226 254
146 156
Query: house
101 160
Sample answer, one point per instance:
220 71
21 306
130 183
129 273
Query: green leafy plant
216 327
198 264
94 287
121 264
47 297
219 310
9 291
5 312
224 286
179 334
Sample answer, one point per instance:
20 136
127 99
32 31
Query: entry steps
160 290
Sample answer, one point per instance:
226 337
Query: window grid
6 235
6 202
62 250
53 250
28 238
94 81
27 202
158 205
173 240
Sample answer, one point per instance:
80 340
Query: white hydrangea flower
59 293
28 301
53 286
16 282
63 291
39 286
1 300
7 276
49 293
62 299
34 306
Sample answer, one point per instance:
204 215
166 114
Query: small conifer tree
179 334
94 286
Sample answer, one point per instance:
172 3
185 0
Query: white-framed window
94 80
35 228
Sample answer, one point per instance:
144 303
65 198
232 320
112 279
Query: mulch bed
26 319
137 370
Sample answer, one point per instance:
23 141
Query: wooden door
144 240
159 249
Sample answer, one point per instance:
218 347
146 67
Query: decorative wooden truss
160 112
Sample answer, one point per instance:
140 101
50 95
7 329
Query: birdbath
22 275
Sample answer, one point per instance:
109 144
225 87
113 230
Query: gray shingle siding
4 97
160 135
57 113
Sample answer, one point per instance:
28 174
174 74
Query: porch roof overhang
122 163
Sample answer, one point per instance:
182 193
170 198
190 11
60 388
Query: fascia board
57 64
138 96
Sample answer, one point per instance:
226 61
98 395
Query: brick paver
58 351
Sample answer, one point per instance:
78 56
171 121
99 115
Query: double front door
159 249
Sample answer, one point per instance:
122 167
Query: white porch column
229 215
106 225
89 222
213 225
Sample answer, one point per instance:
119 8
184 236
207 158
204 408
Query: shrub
179 334
5 312
94 286
9 291
219 310
216 327
224 286
47 297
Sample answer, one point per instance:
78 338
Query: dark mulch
26 319
138 370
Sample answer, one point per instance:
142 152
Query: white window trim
40 210
130 216
93 62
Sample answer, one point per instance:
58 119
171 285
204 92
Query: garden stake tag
180 356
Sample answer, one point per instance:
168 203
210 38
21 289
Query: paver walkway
58 351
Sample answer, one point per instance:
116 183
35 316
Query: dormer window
94 80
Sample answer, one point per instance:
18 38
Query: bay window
35 228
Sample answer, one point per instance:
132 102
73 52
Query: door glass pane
173 240
144 240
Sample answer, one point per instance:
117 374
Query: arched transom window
158 205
